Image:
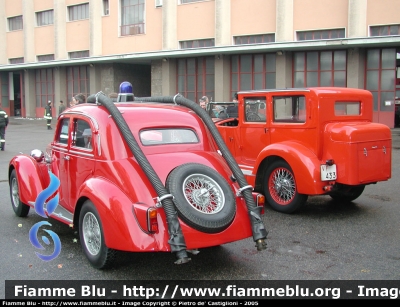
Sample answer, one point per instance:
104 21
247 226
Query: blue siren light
125 88
125 92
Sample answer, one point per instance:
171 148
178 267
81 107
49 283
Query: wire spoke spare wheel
203 198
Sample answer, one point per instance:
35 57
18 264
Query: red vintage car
144 176
293 143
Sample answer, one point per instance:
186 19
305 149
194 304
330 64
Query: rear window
168 136
343 108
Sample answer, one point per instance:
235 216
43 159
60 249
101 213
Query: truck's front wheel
280 188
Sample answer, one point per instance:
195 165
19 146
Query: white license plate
328 172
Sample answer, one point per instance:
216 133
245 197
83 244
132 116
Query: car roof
140 114
316 90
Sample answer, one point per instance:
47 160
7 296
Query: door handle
67 158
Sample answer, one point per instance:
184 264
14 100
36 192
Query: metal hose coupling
258 229
182 257
261 244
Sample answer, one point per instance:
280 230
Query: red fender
304 163
32 177
120 223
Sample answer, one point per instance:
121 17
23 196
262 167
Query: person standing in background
205 98
48 114
80 98
202 103
235 97
3 126
72 102
61 108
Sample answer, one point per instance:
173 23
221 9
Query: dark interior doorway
17 95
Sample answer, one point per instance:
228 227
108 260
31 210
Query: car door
254 129
60 158
80 157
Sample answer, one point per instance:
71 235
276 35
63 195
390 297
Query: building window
384 30
16 60
4 89
196 78
320 68
106 8
78 81
78 54
45 57
132 17
380 77
254 39
78 12
321 34
190 1
197 43
15 23
253 72
44 18
44 80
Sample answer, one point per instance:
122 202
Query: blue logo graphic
39 208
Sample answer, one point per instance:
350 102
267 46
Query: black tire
19 207
92 238
280 188
203 198
346 193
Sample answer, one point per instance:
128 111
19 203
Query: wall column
222 78
169 25
355 68
95 71
284 70
357 18
60 29
169 77
29 31
96 29
30 93
284 20
223 23
60 90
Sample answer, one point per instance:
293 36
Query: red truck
292 143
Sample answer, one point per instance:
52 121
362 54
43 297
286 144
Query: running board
59 213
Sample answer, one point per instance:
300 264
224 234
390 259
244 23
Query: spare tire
203 198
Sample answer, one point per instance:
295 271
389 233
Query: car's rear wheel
19 207
92 238
280 188
346 193
203 198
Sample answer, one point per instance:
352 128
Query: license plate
328 172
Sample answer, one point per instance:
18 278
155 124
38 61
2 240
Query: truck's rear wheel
280 188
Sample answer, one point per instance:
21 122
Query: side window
82 134
255 109
63 133
289 109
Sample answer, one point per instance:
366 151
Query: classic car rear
292 143
139 177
